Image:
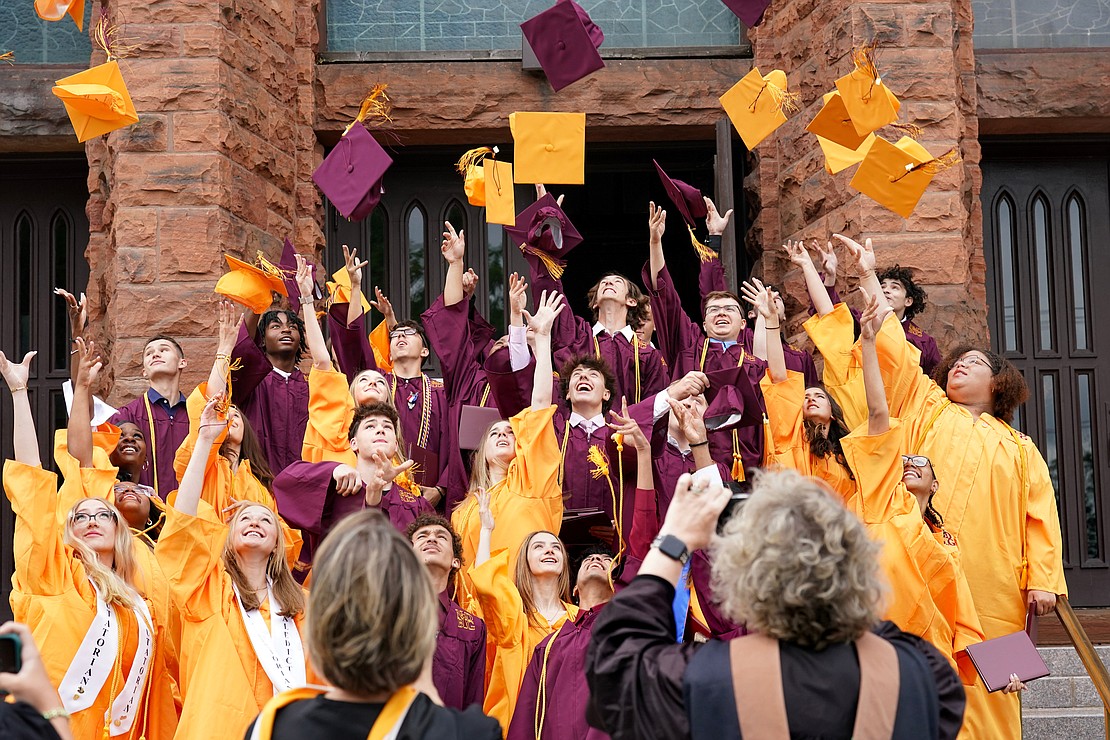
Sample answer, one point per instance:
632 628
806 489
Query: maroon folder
996 659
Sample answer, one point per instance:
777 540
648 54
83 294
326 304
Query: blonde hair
373 613
287 591
116 584
526 582
480 476
796 565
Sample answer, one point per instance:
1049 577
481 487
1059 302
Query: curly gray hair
796 565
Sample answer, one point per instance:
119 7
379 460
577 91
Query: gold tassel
224 405
705 254
472 158
375 106
554 266
8 56
934 166
600 462
105 37
863 57
911 130
786 102
737 459
273 270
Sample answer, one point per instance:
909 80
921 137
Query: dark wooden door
43 236
1046 229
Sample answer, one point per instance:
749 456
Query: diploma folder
996 659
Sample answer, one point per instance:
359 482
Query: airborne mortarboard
731 400
687 199
839 158
500 194
351 174
550 147
474 175
288 268
96 100
249 285
339 288
834 124
758 104
473 423
565 40
896 175
870 104
55 10
543 231
749 11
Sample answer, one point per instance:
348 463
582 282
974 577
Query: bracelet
223 356
307 301
768 327
52 714
73 352
699 444
18 389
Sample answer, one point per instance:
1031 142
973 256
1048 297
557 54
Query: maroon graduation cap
749 11
686 198
732 400
565 40
544 232
288 267
351 175
473 423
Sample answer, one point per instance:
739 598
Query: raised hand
691 424
385 472
384 307
518 299
227 328
542 191
624 425
211 425
864 254
347 480
657 223
303 277
454 245
874 313
761 297
88 364
829 262
78 312
692 383
485 516
16 375
469 283
353 266
715 222
550 306
796 253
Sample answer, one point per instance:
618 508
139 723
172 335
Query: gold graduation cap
55 10
550 148
249 285
758 104
474 175
97 100
896 175
500 198
870 104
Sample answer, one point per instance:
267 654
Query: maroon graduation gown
459 661
169 432
275 406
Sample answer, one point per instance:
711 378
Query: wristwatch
672 547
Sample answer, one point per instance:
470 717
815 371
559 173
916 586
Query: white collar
625 331
589 425
282 373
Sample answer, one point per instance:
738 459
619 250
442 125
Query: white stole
95 659
280 653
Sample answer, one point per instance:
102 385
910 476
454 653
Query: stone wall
224 95
927 60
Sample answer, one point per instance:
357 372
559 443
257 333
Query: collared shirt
157 399
625 331
724 344
589 426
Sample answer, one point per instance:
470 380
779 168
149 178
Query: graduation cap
249 285
474 175
339 288
565 40
839 158
96 100
870 104
473 423
55 10
731 400
749 11
758 104
691 205
896 175
499 192
550 147
834 124
351 174
543 231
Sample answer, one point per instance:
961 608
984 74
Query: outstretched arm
227 334
24 439
657 225
79 430
192 481
878 413
818 296
763 299
454 251
864 255
548 308
485 535
354 274
78 317
313 335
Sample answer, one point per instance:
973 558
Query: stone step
1082 723
1060 692
1064 661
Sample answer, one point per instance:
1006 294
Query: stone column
225 103
927 60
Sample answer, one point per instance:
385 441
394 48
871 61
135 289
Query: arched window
25 271
1077 255
1042 272
1007 268
61 246
416 235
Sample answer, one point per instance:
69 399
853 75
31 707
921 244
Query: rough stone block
191 243
200 131
148 135
170 179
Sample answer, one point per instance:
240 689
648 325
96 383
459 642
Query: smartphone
11 651
741 491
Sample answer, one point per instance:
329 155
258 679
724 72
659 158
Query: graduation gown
330 412
929 592
915 335
512 634
169 433
223 683
788 445
997 500
527 499
275 405
53 595
459 661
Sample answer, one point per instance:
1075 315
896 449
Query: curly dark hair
435 520
913 291
274 317
367 410
636 314
593 363
1008 388
822 445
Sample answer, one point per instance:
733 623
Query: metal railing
1086 650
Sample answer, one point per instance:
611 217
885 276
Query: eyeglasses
970 360
103 516
917 461
714 310
404 331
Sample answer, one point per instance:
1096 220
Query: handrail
1086 650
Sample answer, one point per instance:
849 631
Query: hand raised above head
690 384
715 223
453 247
89 363
541 191
16 375
385 308
657 222
626 426
550 306
797 254
353 266
77 310
485 515
690 423
864 254
229 320
874 313
829 261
